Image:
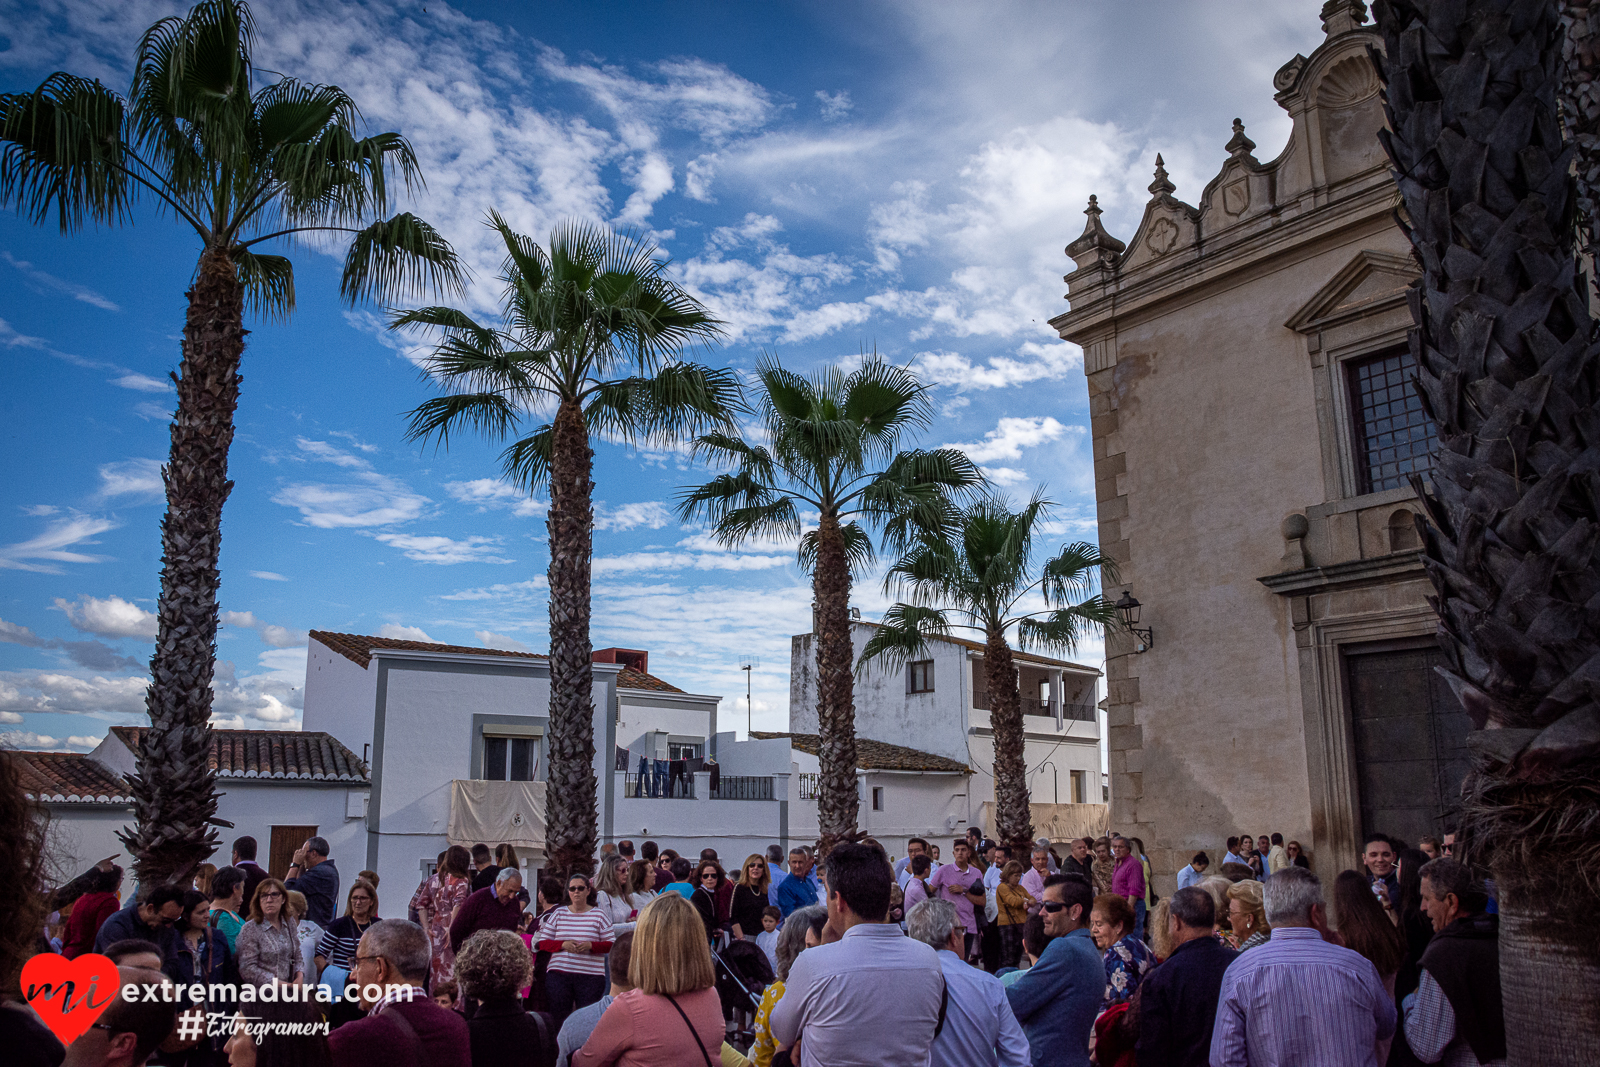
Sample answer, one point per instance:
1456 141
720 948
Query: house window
683 750
1080 788
919 678
1393 436
509 759
877 798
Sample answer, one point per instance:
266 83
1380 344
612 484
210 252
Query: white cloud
375 501
632 562
271 634
40 511
404 633
503 591
142 383
268 576
494 640
111 617
92 655
835 105
132 477
446 550
1011 436
53 692
52 545
73 289
27 739
496 493
651 514
324 451
1049 361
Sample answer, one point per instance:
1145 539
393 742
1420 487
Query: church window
1393 436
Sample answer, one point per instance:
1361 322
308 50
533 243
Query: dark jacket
254 875
1178 1004
321 888
379 1041
1464 958
1086 868
215 964
483 911
126 924
503 1035
484 879
706 904
748 904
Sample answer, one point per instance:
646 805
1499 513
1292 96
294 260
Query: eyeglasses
1053 906
577 888
270 896
709 875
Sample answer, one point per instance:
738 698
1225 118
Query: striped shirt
339 941
563 924
1298 1001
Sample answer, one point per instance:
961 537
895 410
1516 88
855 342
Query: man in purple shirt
961 883
1127 880
495 907
1298 1001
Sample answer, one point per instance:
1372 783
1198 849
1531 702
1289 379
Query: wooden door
1410 736
286 840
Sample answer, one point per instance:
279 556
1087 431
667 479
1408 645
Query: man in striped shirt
1298 1001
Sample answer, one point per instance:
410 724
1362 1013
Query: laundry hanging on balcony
510 813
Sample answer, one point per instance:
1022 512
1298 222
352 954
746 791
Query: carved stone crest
1236 196
1163 235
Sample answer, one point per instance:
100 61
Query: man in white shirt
902 867
979 1028
1033 878
835 1001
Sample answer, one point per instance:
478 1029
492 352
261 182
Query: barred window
1393 436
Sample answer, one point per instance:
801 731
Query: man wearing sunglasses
152 917
1057 999
127 1032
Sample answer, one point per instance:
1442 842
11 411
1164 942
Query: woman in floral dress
436 901
1127 958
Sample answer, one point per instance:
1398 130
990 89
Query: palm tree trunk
1580 111
572 815
838 801
173 786
1013 822
1509 369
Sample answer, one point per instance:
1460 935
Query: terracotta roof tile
876 755
281 754
69 776
357 648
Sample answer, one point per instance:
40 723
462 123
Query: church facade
1255 435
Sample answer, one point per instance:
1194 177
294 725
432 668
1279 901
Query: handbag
692 1030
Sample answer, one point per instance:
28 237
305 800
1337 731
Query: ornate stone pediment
1369 282
1170 228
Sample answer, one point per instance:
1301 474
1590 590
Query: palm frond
1075 571
399 255
903 635
527 462
775 519
268 283
489 414
61 151
858 550
1064 629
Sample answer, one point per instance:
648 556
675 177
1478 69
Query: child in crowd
767 939
447 995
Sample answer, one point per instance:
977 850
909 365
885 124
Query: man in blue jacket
151 917
1057 999
313 874
796 890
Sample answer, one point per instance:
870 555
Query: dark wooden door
285 841
1410 738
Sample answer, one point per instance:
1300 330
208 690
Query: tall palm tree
241 167
1508 362
592 335
833 447
981 570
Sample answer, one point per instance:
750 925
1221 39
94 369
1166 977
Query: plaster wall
80 835
339 697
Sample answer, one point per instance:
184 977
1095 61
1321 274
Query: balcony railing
659 787
808 786
1035 706
742 787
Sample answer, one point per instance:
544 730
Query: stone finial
1342 16
1161 186
1240 145
1095 247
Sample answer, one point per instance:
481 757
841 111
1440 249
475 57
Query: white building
277 786
939 705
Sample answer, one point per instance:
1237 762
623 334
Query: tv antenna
748 666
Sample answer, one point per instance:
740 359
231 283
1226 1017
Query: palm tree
833 447
593 330
241 168
1508 365
982 571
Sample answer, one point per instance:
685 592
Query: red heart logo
69 995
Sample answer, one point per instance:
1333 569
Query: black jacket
1464 958
1178 1004
503 1035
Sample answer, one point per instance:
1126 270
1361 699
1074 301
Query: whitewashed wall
339 697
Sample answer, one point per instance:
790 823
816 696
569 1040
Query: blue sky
827 177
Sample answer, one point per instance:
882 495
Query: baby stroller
743 974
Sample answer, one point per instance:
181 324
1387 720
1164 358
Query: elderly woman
802 930
1247 915
672 1015
1105 868
1127 959
269 943
492 966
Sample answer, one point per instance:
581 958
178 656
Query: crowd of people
1063 956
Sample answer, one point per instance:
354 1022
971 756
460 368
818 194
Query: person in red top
577 935
90 911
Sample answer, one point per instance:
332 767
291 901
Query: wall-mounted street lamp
1128 608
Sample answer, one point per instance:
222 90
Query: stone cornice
1338 575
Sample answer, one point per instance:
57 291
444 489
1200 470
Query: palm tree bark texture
571 807
838 797
1509 369
1013 819
173 798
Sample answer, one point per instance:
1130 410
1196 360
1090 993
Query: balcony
1074 712
742 787
658 787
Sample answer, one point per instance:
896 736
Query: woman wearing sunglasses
708 877
577 935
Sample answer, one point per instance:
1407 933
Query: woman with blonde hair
1247 915
1216 887
750 896
672 1015
609 896
202 877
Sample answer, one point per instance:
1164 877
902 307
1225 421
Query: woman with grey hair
492 966
800 931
